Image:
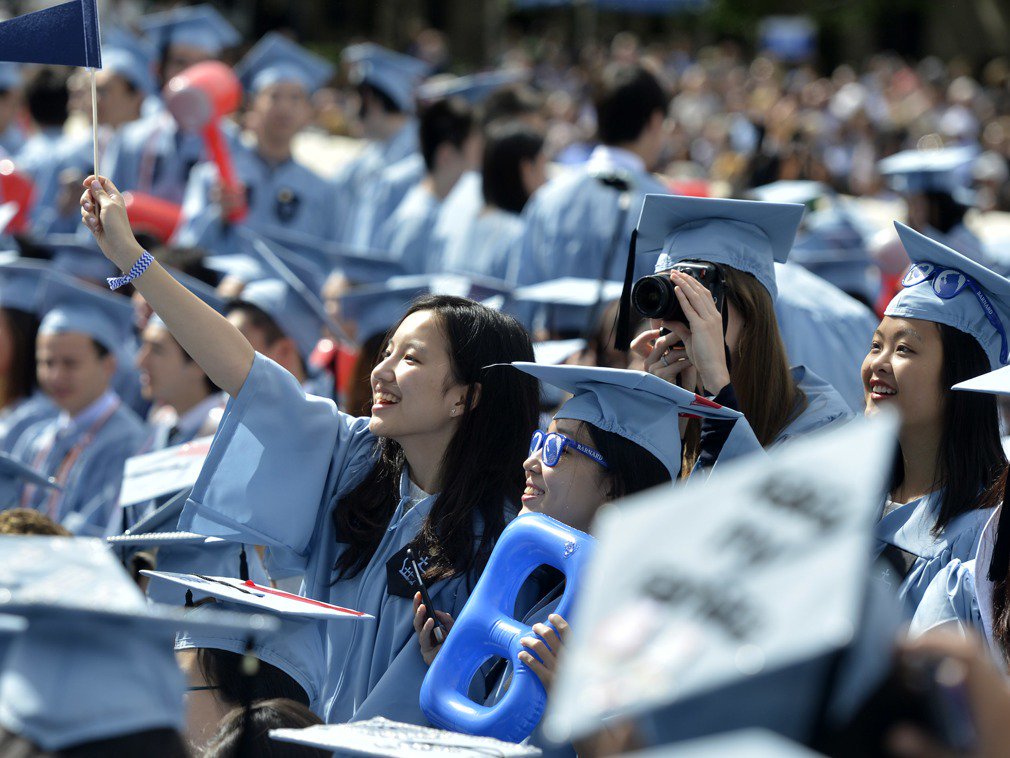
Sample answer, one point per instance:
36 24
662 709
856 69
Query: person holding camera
714 330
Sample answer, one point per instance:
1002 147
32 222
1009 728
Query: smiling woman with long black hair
947 325
437 468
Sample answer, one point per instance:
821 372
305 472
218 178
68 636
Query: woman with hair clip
615 437
338 499
947 325
731 350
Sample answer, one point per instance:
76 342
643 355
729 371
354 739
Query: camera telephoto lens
653 297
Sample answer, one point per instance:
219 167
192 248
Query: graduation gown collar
406 515
909 526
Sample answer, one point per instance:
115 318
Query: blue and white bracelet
138 269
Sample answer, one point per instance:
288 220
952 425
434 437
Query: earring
453 413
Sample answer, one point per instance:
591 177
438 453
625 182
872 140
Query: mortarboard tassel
622 337
243 565
189 598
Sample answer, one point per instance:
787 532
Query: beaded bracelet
138 269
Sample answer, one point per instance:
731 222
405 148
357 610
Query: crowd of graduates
390 309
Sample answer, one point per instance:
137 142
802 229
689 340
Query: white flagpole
94 118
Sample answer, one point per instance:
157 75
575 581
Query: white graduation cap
382 737
704 591
994 382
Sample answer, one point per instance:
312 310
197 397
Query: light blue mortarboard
475 88
130 57
376 308
14 473
81 259
802 191
199 288
359 265
74 307
275 58
395 75
97 661
21 285
945 169
199 26
637 406
747 235
10 76
967 311
835 249
291 294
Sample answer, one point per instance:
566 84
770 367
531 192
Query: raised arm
209 339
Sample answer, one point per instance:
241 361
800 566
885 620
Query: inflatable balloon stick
486 629
198 98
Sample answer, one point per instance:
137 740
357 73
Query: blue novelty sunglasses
948 283
553 445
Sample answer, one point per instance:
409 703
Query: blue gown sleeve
277 459
949 599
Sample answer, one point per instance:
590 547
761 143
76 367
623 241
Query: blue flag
65 35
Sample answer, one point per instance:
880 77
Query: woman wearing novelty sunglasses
947 325
616 436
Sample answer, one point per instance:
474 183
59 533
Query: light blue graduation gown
909 528
569 232
825 329
570 226
246 491
407 235
152 155
43 157
487 245
383 197
460 207
355 181
91 486
285 196
824 406
15 421
949 599
12 139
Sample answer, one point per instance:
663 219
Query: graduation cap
835 249
396 76
22 282
97 661
748 235
199 26
130 57
804 192
564 304
376 308
275 58
945 169
554 352
475 88
73 256
14 474
297 648
635 405
980 308
290 296
199 288
80 308
742 617
359 265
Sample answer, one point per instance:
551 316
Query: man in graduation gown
280 77
575 224
85 446
386 83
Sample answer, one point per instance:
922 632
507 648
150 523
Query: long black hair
630 467
481 472
970 461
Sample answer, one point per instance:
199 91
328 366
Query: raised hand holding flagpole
64 35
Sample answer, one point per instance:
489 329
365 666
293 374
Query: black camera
653 296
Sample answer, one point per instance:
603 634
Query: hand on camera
702 335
